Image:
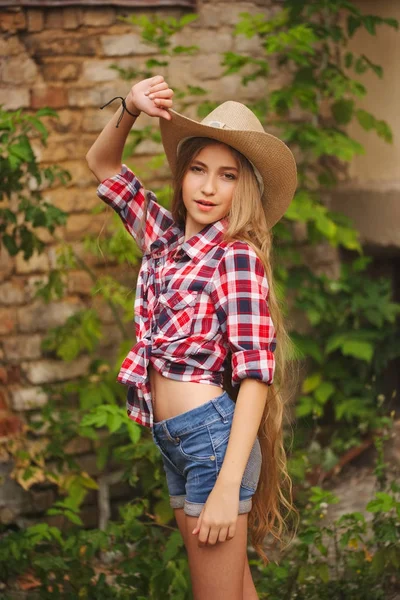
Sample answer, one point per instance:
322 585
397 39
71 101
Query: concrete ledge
375 213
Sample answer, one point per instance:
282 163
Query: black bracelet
123 109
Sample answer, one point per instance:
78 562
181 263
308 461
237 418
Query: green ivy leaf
311 383
342 111
358 349
324 391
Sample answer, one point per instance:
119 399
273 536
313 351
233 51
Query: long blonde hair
272 502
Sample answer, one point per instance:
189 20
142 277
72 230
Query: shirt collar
198 245
195 247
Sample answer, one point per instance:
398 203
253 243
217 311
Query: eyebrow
230 168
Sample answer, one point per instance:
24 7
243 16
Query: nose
208 187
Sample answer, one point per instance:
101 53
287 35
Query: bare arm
246 421
217 521
152 96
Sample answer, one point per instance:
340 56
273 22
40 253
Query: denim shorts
193 446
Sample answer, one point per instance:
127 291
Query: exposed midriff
171 397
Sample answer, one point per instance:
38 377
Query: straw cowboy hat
236 125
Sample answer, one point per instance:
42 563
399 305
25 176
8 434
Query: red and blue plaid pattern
195 301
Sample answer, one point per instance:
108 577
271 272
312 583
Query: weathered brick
79 282
60 44
18 70
54 151
41 317
61 70
103 310
30 398
46 371
12 292
4 399
124 45
32 283
72 17
13 98
3 375
10 426
220 14
53 18
11 46
22 347
51 96
35 19
99 17
6 515
41 500
244 45
180 72
207 69
8 320
68 121
208 44
14 374
99 70
81 175
73 200
12 21
111 337
89 258
95 120
6 264
38 262
79 225
96 96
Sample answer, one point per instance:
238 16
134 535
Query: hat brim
269 155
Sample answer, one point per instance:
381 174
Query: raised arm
152 96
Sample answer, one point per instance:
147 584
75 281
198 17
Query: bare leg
249 590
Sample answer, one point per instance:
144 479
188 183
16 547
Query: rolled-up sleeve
125 194
240 296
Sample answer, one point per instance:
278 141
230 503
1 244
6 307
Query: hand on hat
153 96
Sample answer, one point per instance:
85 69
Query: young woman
207 321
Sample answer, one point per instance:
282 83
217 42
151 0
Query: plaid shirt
195 301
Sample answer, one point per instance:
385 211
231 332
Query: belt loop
169 436
220 409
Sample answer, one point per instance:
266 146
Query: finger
203 535
155 80
163 102
157 87
213 536
231 532
200 517
223 532
168 93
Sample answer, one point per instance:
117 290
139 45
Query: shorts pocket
197 445
176 311
252 470
166 458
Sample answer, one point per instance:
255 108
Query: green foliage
142 559
20 172
80 333
348 558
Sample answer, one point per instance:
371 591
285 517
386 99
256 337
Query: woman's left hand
217 520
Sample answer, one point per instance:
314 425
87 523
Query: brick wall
60 58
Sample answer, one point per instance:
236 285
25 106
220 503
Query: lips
204 203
